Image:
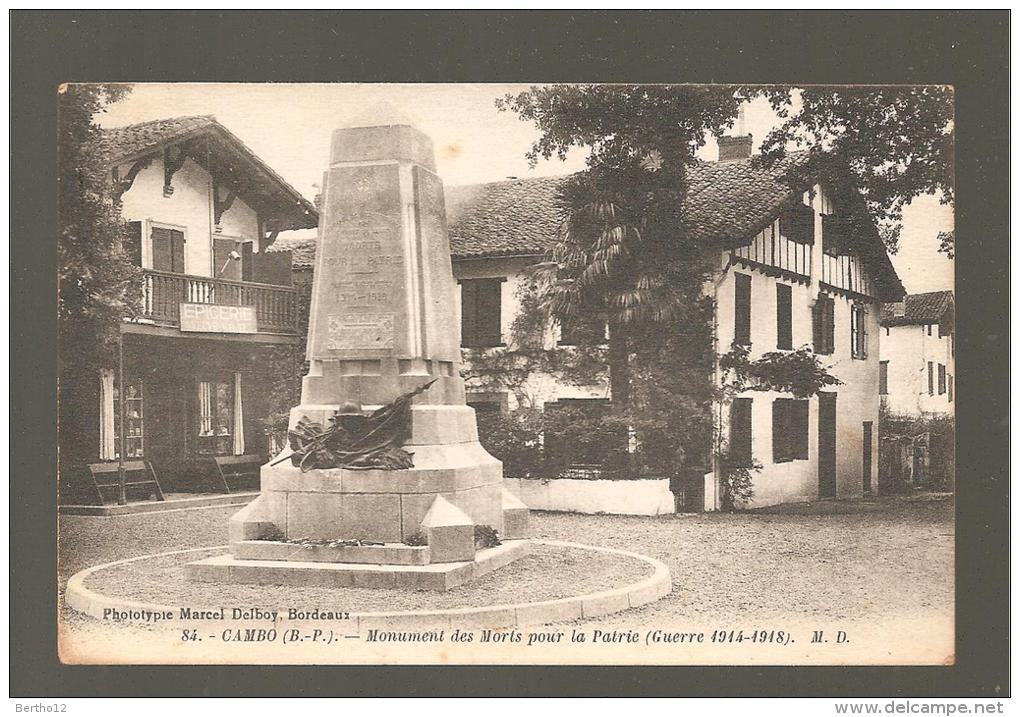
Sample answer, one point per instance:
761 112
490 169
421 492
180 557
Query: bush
486 537
737 481
941 468
514 438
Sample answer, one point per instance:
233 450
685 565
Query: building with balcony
202 210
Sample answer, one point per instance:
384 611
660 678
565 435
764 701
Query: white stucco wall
857 398
540 388
189 208
908 349
617 497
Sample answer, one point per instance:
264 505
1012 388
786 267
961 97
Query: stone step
386 554
230 569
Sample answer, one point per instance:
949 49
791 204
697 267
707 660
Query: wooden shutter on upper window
273 267
829 324
247 261
468 312
162 259
784 316
823 325
177 250
133 243
489 311
742 310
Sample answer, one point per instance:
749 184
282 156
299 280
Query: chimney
899 309
734 148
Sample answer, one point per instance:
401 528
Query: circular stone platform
558 581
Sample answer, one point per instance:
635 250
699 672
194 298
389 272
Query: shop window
789 430
215 418
134 418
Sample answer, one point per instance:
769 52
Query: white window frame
147 226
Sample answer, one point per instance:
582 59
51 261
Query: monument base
308 572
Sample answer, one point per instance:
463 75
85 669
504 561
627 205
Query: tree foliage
892 143
97 283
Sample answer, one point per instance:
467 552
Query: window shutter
784 316
468 313
177 251
799 428
942 379
817 330
133 243
740 430
161 255
742 310
830 325
864 332
780 429
931 379
272 267
223 265
883 378
489 311
247 262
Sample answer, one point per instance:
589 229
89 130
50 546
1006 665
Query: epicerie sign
213 318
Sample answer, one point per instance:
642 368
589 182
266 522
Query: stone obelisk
383 323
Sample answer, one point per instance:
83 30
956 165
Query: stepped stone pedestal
382 324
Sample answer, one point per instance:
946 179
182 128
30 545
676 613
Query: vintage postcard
506 374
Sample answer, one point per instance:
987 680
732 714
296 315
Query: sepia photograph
510 354
596 374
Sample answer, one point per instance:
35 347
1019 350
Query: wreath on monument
356 441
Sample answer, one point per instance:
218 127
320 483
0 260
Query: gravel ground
850 561
550 572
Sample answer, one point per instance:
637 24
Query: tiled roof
521 216
135 139
728 202
928 308
301 246
120 144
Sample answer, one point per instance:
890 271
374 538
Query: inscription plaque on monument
365 306
360 331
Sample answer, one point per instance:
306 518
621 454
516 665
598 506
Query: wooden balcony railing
163 293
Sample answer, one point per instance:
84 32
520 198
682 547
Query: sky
289 127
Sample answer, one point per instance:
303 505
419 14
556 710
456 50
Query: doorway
826 445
